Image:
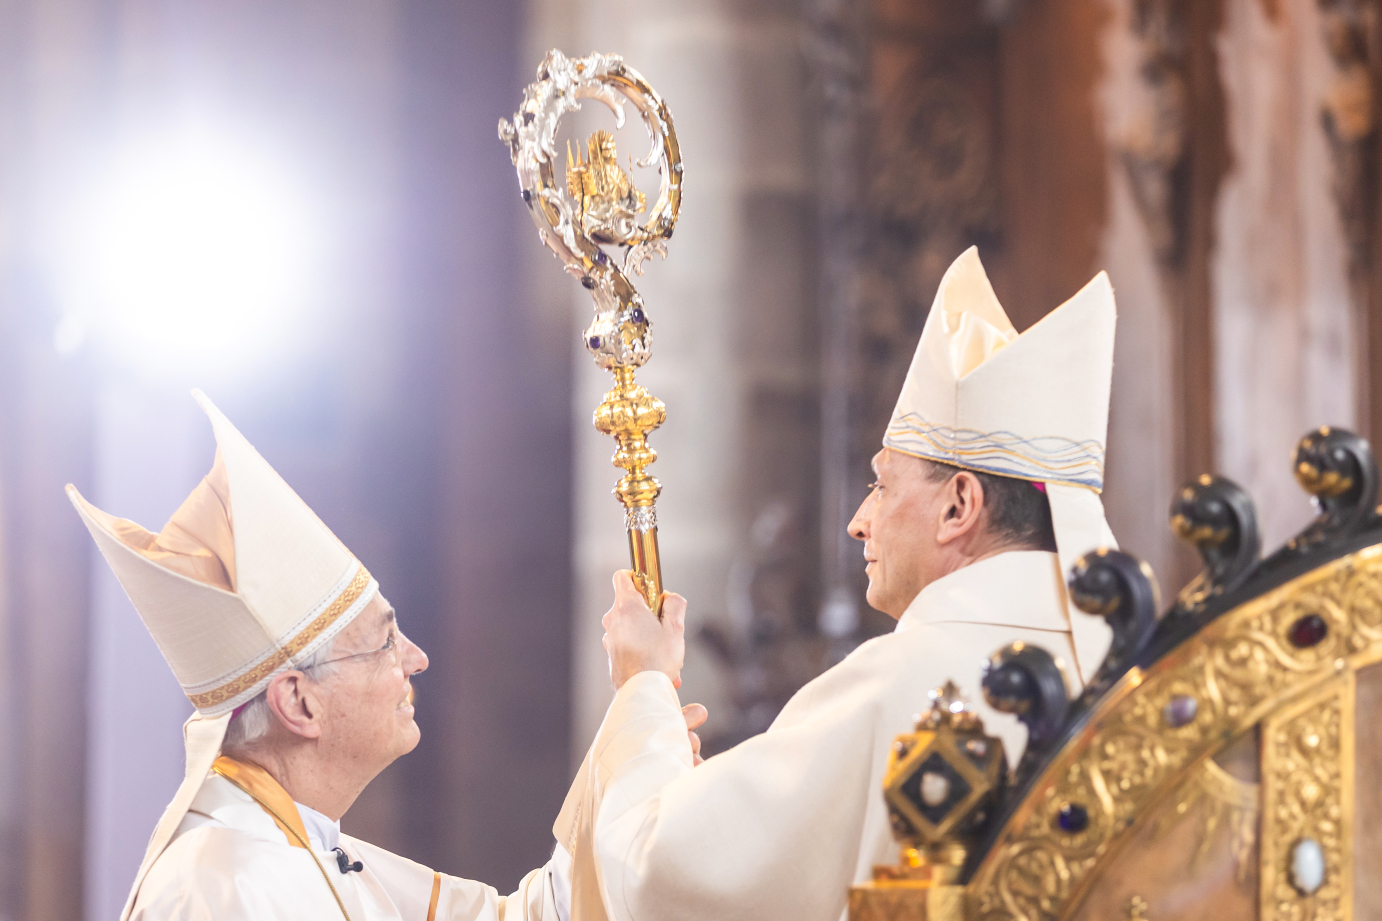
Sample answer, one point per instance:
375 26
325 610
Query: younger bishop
987 490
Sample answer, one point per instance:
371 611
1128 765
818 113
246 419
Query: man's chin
881 603
874 597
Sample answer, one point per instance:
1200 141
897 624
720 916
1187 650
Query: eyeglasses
390 645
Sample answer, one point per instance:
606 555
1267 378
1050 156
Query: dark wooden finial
1336 467
1121 589
1215 516
1026 681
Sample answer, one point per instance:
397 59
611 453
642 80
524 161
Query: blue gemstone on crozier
600 256
1072 818
637 315
594 343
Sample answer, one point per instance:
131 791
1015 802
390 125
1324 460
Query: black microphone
343 861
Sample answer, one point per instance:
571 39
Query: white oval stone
934 788
1307 866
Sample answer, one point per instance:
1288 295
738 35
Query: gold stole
261 787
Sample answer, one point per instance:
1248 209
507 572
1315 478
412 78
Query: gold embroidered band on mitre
319 625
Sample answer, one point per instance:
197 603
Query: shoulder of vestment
223 869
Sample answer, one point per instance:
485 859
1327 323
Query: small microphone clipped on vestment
343 861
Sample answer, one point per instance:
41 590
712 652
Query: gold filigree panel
1307 795
1139 746
1193 857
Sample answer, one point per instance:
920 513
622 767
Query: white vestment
229 861
781 825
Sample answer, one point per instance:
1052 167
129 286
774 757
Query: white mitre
243 582
1033 406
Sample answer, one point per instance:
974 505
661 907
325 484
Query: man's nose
414 659
858 526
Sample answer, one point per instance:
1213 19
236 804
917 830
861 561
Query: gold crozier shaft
628 413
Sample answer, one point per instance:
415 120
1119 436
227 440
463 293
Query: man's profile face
897 522
368 700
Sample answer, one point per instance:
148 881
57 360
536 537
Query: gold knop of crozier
627 414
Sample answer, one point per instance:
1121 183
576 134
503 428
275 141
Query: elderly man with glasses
301 681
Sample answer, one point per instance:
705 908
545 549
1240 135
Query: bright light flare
191 248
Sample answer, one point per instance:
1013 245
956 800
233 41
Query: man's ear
962 505
295 704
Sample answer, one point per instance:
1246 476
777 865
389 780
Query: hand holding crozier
638 640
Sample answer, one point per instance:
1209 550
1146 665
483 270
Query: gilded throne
1225 762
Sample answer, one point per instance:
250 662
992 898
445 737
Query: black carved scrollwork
1336 467
1026 681
1119 588
1215 516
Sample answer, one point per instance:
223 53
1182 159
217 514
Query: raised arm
421 894
768 829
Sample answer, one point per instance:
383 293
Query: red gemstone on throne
1309 631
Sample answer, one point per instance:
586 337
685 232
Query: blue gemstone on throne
1072 818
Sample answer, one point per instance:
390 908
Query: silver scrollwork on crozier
597 204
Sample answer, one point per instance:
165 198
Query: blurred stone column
1285 359
51 74
1161 113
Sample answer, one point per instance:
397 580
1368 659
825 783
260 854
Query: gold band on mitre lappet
264 669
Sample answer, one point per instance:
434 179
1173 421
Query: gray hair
251 724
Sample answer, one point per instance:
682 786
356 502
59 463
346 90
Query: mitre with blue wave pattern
1032 406
980 396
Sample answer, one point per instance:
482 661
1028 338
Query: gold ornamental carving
1238 670
1307 784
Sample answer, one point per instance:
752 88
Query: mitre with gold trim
244 581
1032 406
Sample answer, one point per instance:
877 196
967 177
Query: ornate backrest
1226 761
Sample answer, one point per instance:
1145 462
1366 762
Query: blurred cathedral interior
302 208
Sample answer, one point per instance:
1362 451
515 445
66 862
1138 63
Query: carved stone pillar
910 176
1162 108
1285 321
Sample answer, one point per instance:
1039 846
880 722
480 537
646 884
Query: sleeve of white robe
410 885
740 836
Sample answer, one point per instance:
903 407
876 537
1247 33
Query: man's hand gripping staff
638 640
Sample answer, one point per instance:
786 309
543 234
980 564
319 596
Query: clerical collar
1020 588
324 834
301 825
